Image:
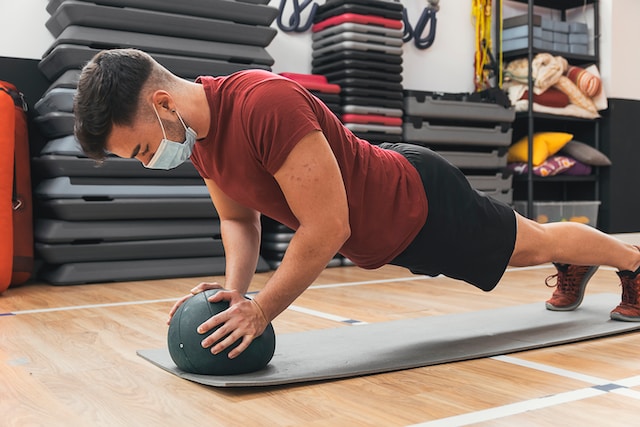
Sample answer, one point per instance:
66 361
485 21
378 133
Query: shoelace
558 275
630 289
567 281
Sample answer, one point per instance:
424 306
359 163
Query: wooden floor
68 358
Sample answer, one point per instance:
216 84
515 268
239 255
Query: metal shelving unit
533 120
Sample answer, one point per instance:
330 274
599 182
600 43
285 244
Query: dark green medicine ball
185 342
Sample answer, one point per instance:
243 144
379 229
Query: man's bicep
311 181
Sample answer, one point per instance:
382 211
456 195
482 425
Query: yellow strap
482 12
500 57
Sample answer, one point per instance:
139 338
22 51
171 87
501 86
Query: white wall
24 35
619 48
446 66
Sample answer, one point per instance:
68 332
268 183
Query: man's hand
200 288
243 320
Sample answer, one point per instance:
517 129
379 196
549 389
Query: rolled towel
588 83
576 96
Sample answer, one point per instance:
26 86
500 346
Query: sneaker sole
583 286
621 317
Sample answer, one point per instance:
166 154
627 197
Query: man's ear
163 101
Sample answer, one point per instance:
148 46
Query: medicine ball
185 342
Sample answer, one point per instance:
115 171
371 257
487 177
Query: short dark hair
108 94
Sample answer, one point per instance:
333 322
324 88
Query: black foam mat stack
357 45
120 221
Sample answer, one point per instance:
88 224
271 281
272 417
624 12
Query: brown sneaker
629 309
570 286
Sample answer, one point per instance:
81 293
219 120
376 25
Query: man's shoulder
238 77
253 75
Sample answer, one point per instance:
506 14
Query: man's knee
532 244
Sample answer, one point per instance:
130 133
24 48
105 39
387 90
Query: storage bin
585 212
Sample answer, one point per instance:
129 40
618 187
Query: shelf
573 58
521 115
557 178
557 4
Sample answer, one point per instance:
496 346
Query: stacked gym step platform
357 44
472 131
120 221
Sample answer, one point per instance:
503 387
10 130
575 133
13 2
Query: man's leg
576 250
570 243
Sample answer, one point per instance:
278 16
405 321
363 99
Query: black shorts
467 235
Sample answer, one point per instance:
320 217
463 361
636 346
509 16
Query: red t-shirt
257 117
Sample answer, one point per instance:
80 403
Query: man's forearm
242 249
306 257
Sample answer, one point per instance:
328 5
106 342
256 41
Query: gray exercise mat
351 351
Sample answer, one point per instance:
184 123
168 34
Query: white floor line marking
532 267
630 382
323 315
512 409
90 306
627 392
552 370
370 282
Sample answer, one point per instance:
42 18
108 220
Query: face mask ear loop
164 134
181 121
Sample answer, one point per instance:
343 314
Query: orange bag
16 211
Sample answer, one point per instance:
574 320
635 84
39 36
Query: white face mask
171 154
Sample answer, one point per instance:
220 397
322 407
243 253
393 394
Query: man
264 145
